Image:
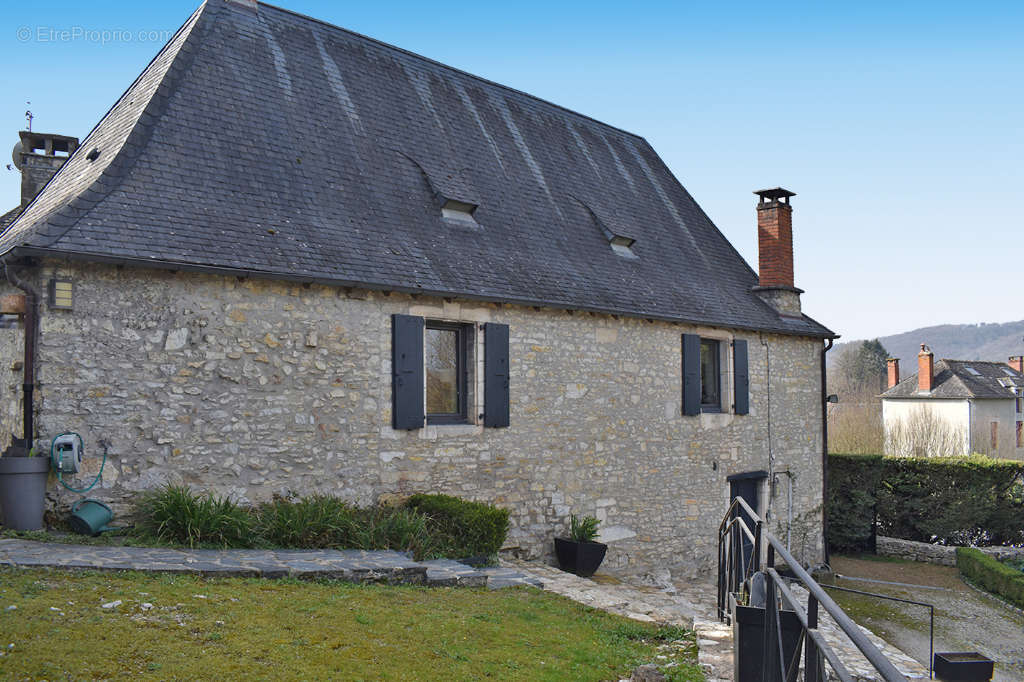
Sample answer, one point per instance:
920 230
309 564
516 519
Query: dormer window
458 210
623 246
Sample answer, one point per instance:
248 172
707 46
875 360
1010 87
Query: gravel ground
965 619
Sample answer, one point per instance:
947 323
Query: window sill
435 431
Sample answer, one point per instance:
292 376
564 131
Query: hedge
972 500
479 529
990 574
853 482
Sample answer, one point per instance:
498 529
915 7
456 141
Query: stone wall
936 554
252 387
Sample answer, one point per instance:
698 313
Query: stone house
291 258
955 407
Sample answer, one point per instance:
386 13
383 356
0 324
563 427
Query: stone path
350 565
694 605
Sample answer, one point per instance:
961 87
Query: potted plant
580 553
23 486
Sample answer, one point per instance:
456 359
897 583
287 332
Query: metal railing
931 616
739 561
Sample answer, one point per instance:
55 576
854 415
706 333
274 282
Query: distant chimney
893 365
925 369
775 251
1016 362
39 156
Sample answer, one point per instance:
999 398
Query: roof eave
37 252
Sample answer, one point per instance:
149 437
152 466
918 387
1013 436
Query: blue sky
899 125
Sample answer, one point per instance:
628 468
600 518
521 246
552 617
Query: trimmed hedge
476 529
972 500
994 576
853 482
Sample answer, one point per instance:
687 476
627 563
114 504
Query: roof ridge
448 67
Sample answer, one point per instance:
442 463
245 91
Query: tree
857 375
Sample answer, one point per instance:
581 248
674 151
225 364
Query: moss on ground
184 627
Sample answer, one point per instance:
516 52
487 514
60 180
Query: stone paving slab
360 566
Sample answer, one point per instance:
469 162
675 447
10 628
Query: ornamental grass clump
177 515
583 530
313 522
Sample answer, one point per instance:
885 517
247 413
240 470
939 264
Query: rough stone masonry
251 387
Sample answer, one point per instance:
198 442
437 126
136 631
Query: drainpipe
31 331
824 450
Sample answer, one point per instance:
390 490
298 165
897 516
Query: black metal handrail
931 616
734 573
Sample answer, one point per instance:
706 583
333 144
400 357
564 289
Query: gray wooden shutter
741 377
496 395
691 374
407 371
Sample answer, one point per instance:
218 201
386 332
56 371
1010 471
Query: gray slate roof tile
278 145
954 380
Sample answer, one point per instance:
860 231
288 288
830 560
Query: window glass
442 351
710 384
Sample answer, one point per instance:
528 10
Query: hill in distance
994 342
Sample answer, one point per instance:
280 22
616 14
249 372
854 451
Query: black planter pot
748 640
23 491
581 558
968 666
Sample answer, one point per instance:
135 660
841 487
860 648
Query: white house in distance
955 407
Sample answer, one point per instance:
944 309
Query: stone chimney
775 251
925 369
893 367
1016 362
39 156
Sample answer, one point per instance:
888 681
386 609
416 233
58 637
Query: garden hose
60 475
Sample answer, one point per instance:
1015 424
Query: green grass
260 629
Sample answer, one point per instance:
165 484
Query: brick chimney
1016 362
775 251
925 369
39 156
893 367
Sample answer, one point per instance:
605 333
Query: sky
900 126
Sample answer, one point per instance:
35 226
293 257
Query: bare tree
923 433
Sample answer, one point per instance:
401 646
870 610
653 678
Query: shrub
176 514
469 528
315 522
949 500
986 572
400 529
853 482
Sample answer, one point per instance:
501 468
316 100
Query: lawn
92 625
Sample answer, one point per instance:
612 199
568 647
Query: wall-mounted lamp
60 294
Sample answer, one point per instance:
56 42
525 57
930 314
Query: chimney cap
774 194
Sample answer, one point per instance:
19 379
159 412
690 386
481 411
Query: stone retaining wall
936 554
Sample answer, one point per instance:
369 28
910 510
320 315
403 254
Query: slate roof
7 218
955 380
263 142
